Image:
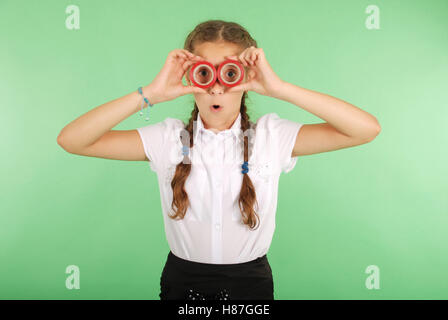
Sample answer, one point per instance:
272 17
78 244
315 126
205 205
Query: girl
218 174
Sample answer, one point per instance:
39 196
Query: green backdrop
383 203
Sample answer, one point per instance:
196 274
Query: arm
91 134
346 124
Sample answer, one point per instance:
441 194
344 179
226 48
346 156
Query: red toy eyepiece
203 74
230 73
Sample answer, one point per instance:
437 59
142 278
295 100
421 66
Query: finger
190 54
192 89
184 54
240 87
247 53
197 58
177 53
243 61
187 64
199 90
253 56
179 63
188 60
247 58
177 58
231 57
251 74
250 55
237 59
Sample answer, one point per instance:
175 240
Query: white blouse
212 230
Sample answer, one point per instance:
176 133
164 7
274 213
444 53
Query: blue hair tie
245 167
185 150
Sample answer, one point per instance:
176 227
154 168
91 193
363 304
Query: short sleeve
281 136
158 140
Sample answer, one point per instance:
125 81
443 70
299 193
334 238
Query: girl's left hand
260 77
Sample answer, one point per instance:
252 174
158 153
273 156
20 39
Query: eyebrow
216 65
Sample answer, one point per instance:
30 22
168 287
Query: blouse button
217 226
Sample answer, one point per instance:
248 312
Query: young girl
218 174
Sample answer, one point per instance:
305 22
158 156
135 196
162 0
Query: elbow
59 140
374 132
62 143
377 129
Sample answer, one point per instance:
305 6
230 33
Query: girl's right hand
167 85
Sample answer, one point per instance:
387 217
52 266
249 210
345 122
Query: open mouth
216 107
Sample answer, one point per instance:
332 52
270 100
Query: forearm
88 128
345 117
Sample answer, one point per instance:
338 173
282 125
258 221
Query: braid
248 196
180 197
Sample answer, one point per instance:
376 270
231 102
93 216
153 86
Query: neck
221 125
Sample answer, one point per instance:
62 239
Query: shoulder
272 123
168 123
278 131
173 123
267 120
279 136
158 140
166 128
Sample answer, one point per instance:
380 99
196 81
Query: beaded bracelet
144 100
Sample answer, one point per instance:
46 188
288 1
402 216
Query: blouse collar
235 129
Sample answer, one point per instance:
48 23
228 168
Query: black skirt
188 280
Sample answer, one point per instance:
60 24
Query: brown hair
214 31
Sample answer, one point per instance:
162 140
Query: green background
383 203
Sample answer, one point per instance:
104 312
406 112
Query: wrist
279 90
150 94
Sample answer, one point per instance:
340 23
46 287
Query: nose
216 88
